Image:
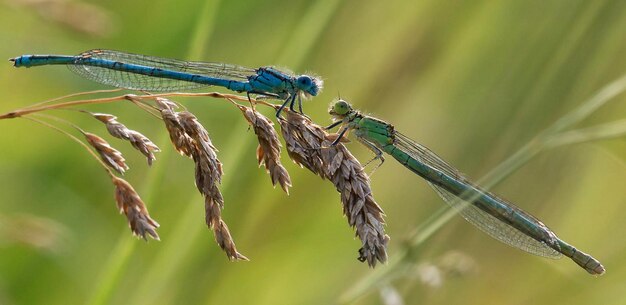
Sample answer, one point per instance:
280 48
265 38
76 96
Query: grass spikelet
111 156
143 145
268 151
114 127
136 139
181 141
223 237
359 206
309 145
204 153
193 140
129 203
208 174
303 143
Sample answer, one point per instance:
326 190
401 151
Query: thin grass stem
77 140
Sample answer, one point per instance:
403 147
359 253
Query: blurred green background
473 80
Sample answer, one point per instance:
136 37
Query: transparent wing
484 221
135 81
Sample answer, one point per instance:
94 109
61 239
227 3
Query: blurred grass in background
473 80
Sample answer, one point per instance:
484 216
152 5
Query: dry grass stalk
309 145
129 203
136 139
191 139
268 151
111 156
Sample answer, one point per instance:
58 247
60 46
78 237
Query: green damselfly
495 216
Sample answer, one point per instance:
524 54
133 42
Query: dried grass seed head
182 142
114 127
207 180
191 139
268 151
136 139
129 203
225 241
213 216
163 103
359 205
208 176
143 145
197 132
303 142
309 145
111 156
204 152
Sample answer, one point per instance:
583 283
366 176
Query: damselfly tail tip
590 264
598 270
17 61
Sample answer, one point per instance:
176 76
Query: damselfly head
340 109
309 85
